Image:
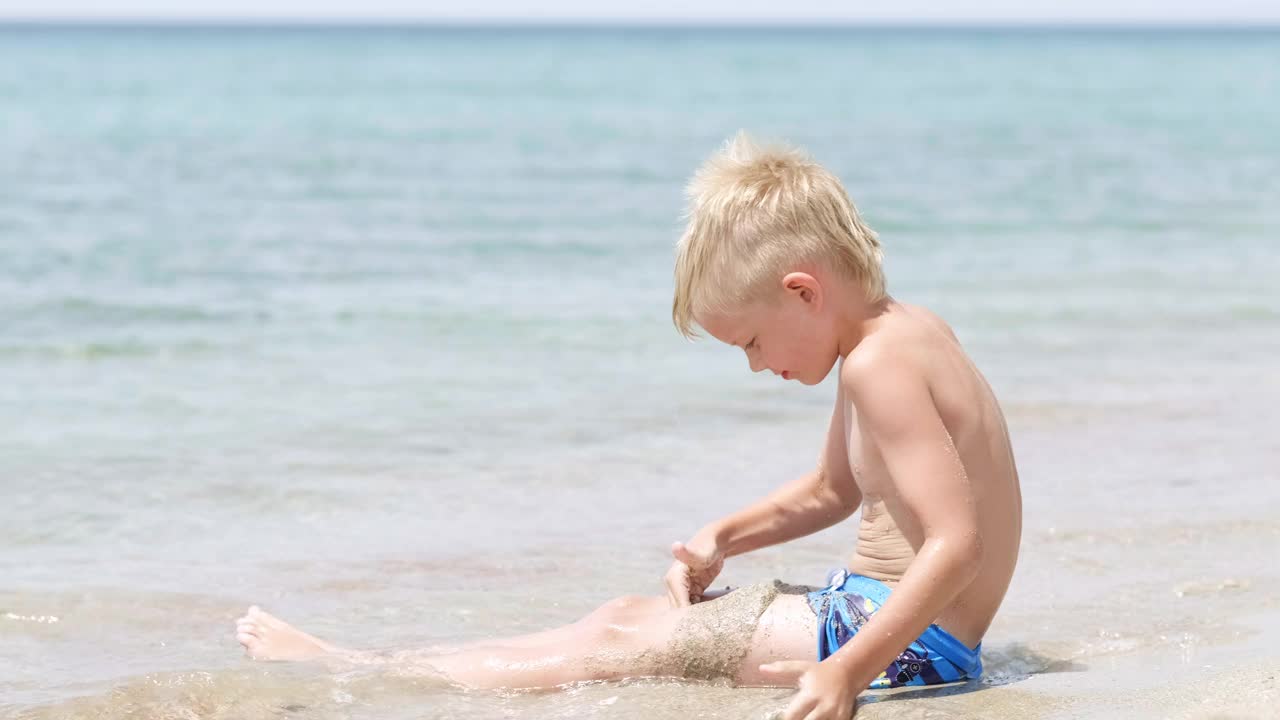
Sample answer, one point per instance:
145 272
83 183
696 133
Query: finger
820 713
786 671
682 553
678 595
799 708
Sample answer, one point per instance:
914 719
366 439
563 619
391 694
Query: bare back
888 536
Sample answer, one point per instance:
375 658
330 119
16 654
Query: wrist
852 669
713 537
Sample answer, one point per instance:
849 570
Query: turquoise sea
371 326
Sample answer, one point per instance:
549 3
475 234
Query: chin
815 378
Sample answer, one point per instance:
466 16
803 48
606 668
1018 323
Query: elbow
966 552
972 552
842 505
835 505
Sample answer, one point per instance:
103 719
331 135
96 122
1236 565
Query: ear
804 286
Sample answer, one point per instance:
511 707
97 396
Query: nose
756 365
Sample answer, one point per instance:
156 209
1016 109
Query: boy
776 261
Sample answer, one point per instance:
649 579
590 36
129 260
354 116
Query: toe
268 620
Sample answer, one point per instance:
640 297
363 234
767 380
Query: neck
856 320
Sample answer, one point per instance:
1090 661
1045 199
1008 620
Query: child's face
788 334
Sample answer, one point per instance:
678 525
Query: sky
664 11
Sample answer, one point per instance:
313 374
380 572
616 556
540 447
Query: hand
696 565
825 692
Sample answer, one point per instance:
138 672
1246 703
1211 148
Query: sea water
371 327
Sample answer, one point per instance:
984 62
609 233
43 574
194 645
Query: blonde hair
754 212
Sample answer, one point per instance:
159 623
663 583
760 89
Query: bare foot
267 637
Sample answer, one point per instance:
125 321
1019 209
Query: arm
803 506
811 502
930 489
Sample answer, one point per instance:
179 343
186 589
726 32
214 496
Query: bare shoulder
884 364
878 355
899 345
927 318
908 353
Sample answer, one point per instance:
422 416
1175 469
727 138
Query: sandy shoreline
1239 678
1225 668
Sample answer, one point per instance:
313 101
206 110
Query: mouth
786 375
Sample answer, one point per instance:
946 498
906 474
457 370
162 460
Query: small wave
106 350
1016 662
1178 533
1211 587
101 311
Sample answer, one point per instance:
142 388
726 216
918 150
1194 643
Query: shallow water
370 327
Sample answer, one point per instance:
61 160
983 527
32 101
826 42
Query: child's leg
624 638
627 604
266 637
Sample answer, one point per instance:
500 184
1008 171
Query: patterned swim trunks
846 604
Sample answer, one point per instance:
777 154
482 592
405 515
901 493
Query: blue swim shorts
846 604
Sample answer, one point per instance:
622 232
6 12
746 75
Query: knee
619 609
625 603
